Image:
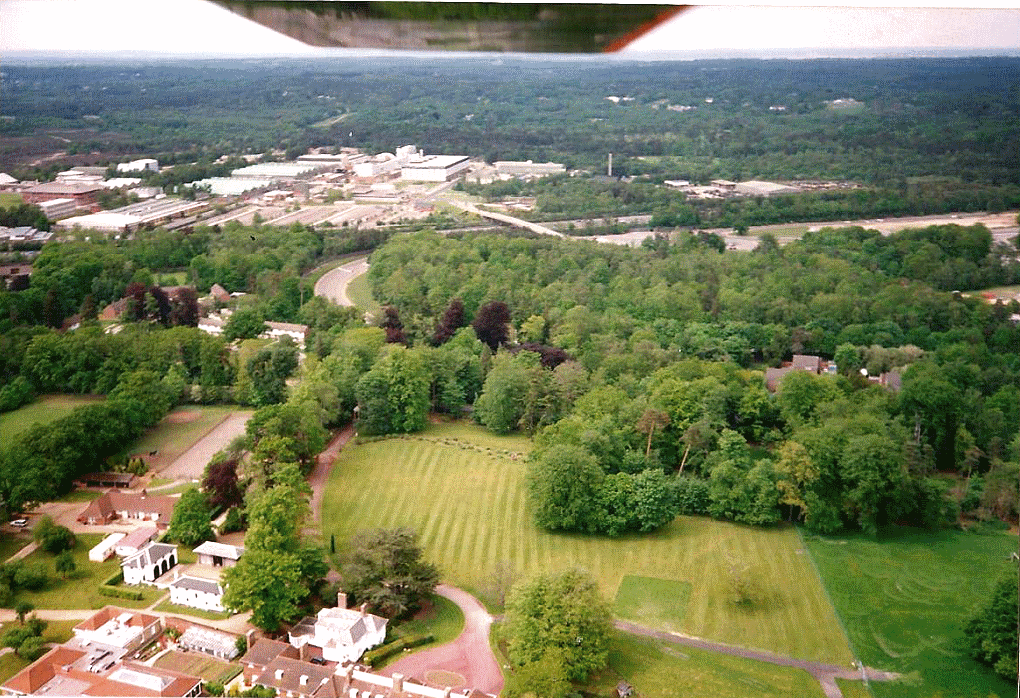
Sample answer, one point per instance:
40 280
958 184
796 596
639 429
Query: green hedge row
105 590
114 580
384 652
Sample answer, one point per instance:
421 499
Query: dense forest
740 119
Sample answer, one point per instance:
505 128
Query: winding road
469 655
333 284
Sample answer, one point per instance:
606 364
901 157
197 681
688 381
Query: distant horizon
805 53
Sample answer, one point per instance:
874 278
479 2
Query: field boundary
835 611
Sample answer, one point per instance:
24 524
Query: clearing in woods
463 490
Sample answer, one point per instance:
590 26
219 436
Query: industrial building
55 209
139 166
435 168
528 168
134 216
85 195
230 186
757 188
277 170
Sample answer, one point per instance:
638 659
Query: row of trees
42 462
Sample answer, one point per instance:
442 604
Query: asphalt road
333 284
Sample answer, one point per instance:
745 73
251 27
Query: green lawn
660 670
469 507
360 294
45 409
654 602
198 664
443 619
56 630
80 496
904 598
11 543
81 589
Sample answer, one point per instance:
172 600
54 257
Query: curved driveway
333 284
468 655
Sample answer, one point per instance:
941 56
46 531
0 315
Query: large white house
343 634
195 592
149 563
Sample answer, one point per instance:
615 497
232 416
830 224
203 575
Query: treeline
584 198
42 462
914 117
651 377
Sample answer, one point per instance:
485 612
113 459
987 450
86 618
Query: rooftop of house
149 555
109 503
264 651
139 537
210 547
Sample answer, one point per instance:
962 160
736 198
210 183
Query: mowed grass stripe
470 510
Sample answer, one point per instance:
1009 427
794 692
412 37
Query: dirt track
191 464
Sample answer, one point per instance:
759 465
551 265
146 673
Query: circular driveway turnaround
469 655
333 284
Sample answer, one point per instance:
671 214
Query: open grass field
198 664
659 670
177 432
45 409
469 507
80 590
905 597
360 294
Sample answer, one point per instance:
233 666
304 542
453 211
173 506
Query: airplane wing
458 26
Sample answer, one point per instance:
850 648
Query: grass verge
469 507
657 669
177 432
360 294
904 598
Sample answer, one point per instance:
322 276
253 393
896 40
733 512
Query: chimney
341 600
304 680
398 683
279 674
363 609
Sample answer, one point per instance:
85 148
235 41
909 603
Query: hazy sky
189 26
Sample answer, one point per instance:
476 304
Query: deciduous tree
563 613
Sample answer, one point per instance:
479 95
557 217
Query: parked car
19 523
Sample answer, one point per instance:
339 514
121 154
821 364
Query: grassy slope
360 294
660 670
904 599
45 409
470 509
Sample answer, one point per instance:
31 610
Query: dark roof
206 586
285 674
265 651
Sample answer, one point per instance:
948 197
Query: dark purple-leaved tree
492 324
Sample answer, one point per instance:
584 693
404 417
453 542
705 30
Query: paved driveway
191 464
468 655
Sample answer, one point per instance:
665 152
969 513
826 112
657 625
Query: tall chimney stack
341 600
